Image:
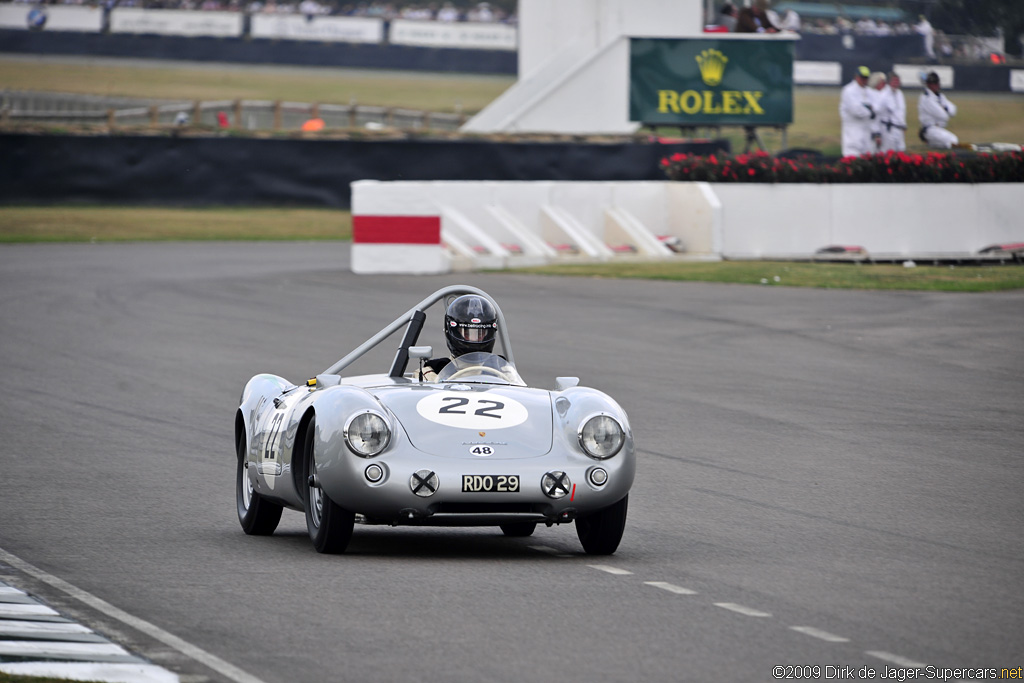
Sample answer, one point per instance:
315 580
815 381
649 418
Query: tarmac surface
825 478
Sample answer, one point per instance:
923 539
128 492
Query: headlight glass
601 437
367 434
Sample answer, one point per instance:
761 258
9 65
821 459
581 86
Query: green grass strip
121 224
942 278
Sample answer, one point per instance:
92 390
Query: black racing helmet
470 324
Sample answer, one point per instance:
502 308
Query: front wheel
601 532
257 515
329 525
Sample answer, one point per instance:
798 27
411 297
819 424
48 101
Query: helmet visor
475 334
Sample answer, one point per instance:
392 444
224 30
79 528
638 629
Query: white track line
671 588
610 569
818 633
750 612
226 669
895 659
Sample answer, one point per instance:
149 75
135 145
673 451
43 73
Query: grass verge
10 678
442 92
120 224
820 275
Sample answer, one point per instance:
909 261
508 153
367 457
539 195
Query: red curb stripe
396 229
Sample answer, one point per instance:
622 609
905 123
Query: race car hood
473 420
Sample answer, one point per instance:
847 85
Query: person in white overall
934 111
894 116
856 113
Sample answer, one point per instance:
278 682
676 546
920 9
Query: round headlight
601 437
367 434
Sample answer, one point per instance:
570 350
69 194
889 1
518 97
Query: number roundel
484 411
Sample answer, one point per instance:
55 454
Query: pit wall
445 226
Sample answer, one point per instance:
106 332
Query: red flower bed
892 167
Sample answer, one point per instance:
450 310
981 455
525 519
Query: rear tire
329 525
257 515
601 532
518 529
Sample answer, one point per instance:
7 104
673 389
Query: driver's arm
432 367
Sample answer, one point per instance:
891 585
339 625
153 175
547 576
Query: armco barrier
476 225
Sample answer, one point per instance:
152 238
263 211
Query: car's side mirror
423 352
563 383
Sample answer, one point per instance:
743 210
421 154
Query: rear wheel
601 532
518 529
329 525
257 515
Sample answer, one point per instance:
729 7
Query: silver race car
469 445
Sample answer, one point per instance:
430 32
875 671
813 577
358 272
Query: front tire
601 532
329 525
257 515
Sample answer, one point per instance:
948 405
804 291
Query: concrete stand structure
574 64
441 226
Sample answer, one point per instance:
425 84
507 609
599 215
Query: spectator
416 13
754 19
924 27
790 21
482 13
310 8
876 83
856 114
894 116
729 16
865 27
448 13
934 111
828 28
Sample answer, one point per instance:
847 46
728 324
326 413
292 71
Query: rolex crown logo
712 66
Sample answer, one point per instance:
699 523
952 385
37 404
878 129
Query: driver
470 324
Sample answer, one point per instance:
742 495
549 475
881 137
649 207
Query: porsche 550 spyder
473 446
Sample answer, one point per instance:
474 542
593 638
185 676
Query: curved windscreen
480 367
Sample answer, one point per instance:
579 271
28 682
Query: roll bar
407 317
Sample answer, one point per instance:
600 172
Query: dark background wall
238 171
259 51
838 48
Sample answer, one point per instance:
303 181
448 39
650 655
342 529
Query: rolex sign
700 82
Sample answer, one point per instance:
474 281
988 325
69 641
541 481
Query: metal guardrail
238 114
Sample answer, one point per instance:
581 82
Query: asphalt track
825 478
